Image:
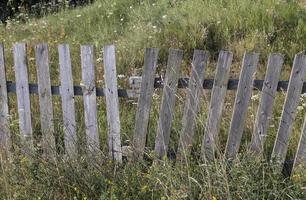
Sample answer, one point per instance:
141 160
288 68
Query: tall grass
237 25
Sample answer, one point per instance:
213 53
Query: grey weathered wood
300 157
23 95
45 99
265 109
145 100
209 143
67 96
168 102
89 98
244 92
290 107
194 93
112 103
5 140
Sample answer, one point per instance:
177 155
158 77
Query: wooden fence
195 84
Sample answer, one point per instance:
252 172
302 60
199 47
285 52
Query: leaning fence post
23 95
211 130
5 140
45 99
290 107
112 103
145 101
67 96
168 102
244 92
264 111
194 93
90 101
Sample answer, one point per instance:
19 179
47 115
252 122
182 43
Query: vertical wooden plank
5 140
89 96
212 128
67 96
300 157
244 92
45 99
168 102
112 103
289 110
23 95
264 111
145 100
194 93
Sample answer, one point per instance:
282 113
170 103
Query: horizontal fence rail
142 87
158 83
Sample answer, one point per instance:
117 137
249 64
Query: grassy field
263 26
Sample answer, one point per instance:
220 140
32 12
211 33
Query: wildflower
164 16
79 16
255 97
214 197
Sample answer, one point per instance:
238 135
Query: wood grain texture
290 107
168 102
5 140
23 94
89 98
145 101
67 97
194 93
264 112
299 165
112 103
45 99
244 92
210 139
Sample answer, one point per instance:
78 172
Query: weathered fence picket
290 107
210 140
145 100
195 84
5 140
168 101
45 99
90 98
194 93
112 103
264 112
23 94
67 96
244 92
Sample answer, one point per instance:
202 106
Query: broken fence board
300 158
219 90
168 102
112 103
